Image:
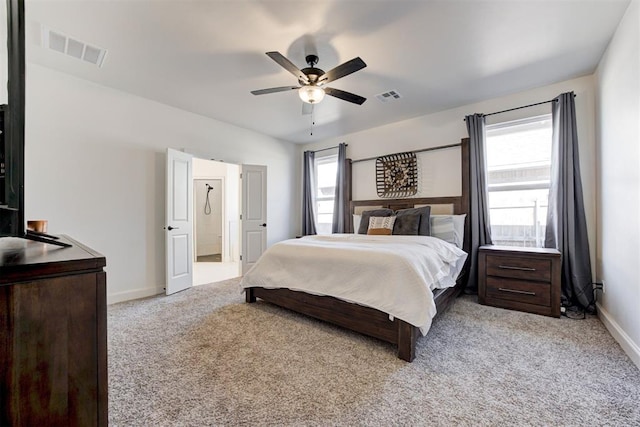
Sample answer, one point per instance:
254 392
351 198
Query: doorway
216 188
209 219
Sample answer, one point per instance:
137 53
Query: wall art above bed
397 175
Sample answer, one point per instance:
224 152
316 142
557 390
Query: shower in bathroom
208 220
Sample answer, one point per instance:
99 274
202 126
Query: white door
254 214
179 221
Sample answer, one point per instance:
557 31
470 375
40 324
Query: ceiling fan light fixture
311 94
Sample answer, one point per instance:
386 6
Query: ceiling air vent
59 42
392 95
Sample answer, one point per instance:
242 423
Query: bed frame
367 320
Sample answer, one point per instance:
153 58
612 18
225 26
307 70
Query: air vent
59 42
392 95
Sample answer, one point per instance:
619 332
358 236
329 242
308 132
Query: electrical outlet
603 287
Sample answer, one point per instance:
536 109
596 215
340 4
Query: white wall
618 142
95 168
440 170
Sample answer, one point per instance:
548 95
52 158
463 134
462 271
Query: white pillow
445 225
356 223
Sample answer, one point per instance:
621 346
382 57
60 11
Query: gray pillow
407 224
443 228
364 221
424 229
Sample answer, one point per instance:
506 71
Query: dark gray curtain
340 204
566 222
479 197
309 194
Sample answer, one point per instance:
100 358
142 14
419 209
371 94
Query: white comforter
394 274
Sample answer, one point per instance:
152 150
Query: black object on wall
12 221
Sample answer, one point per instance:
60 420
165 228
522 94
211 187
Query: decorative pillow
364 221
407 225
458 227
356 222
424 227
381 225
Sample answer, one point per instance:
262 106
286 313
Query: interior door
254 214
179 221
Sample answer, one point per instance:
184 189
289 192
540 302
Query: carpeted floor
203 357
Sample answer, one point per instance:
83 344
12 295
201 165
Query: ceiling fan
312 80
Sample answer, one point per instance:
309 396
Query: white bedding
394 274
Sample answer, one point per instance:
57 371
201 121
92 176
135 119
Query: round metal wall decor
397 175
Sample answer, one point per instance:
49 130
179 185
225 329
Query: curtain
340 203
309 194
479 197
566 223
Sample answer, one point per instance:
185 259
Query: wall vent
392 95
62 43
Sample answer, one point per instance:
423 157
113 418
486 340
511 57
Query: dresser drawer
537 293
525 268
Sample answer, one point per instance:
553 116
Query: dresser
53 334
525 279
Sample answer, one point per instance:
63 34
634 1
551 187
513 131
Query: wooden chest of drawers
525 279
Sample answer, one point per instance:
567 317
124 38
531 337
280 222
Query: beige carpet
203 357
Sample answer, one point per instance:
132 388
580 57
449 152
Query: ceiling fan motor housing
313 74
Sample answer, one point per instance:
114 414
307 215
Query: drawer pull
515 291
508 267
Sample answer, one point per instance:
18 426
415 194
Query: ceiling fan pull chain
312 121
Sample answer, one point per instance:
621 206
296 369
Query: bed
383 323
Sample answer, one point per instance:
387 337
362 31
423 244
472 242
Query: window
326 170
518 179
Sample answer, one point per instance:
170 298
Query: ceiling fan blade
307 109
342 70
288 65
274 90
345 96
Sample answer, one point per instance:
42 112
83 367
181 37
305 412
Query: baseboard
629 347
134 294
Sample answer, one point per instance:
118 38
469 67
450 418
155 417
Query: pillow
407 225
381 225
364 220
424 227
442 228
458 227
356 222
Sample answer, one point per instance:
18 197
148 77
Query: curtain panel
309 194
479 196
341 202
566 222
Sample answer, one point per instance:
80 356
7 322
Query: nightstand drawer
519 290
526 268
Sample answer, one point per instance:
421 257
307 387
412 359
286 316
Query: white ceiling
206 56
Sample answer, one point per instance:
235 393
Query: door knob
172 228
263 225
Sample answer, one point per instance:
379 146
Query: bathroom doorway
216 188
209 219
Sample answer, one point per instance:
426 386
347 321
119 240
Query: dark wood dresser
525 279
53 335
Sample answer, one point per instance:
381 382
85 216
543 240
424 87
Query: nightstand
525 279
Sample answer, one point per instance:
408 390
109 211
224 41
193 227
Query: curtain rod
442 147
325 149
519 108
